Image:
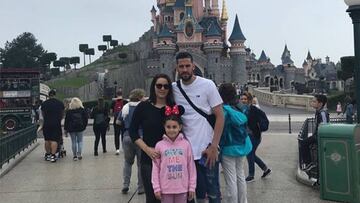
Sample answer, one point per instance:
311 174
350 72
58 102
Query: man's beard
186 77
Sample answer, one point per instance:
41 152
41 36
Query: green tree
22 52
90 52
102 48
82 49
74 60
107 39
46 59
347 67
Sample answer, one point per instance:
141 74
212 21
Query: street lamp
115 87
354 12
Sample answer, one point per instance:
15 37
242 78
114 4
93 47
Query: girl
76 120
101 123
252 114
149 117
174 174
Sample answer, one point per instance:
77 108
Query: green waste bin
339 159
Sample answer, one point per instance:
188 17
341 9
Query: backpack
235 126
77 121
118 106
263 121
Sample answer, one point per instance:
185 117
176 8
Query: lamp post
354 12
115 87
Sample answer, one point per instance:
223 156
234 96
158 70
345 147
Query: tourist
100 114
174 173
349 112
254 115
255 102
149 116
130 149
338 108
235 144
76 120
203 137
321 116
116 106
52 111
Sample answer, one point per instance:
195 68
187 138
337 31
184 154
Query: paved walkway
99 179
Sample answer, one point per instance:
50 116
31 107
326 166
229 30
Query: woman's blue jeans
77 143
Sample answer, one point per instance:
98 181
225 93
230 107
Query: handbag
210 118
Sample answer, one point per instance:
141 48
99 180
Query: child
174 174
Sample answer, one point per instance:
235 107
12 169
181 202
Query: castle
200 27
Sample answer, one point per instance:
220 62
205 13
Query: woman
252 113
149 116
100 114
76 120
235 144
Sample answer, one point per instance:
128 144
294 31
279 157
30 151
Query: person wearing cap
52 112
130 149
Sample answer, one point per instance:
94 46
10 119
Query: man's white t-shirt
204 94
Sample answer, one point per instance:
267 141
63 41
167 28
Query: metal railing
13 144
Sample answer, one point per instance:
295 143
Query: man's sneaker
266 173
47 157
141 191
125 190
75 158
79 157
250 179
53 158
96 153
117 152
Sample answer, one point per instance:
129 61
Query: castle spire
224 14
237 33
309 56
263 58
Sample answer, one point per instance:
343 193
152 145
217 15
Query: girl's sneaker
75 158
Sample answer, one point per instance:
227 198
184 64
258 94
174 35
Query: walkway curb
18 158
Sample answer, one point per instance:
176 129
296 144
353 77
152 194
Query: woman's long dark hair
169 97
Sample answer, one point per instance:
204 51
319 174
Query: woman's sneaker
250 179
47 157
75 158
266 173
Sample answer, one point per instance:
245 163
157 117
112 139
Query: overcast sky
321 26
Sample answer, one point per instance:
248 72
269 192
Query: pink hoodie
174 172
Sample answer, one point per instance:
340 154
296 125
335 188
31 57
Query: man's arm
212 150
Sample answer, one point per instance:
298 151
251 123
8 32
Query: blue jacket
232 144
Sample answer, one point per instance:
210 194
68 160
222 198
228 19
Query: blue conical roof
165 32
179 4
237 33
263 57
213 31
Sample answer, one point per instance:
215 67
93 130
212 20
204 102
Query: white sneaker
117 152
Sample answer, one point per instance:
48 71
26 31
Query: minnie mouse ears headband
176 110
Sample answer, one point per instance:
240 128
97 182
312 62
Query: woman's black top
150 119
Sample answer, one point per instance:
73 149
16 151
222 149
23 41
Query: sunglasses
160 86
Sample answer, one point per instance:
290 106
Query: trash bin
339 159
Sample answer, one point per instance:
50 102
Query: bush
92 104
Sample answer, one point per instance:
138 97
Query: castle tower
166 50
153 16
213 48
305 66
309 59
179 11
238 54
207 7
224 19
286 57
215 8
263 59
198 9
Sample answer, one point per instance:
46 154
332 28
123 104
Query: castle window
181 16
216 60
163 65
223 77
164 42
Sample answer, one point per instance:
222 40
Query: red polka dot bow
172 111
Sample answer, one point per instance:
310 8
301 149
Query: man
116 106
321 116
203 138
131 150
52 112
